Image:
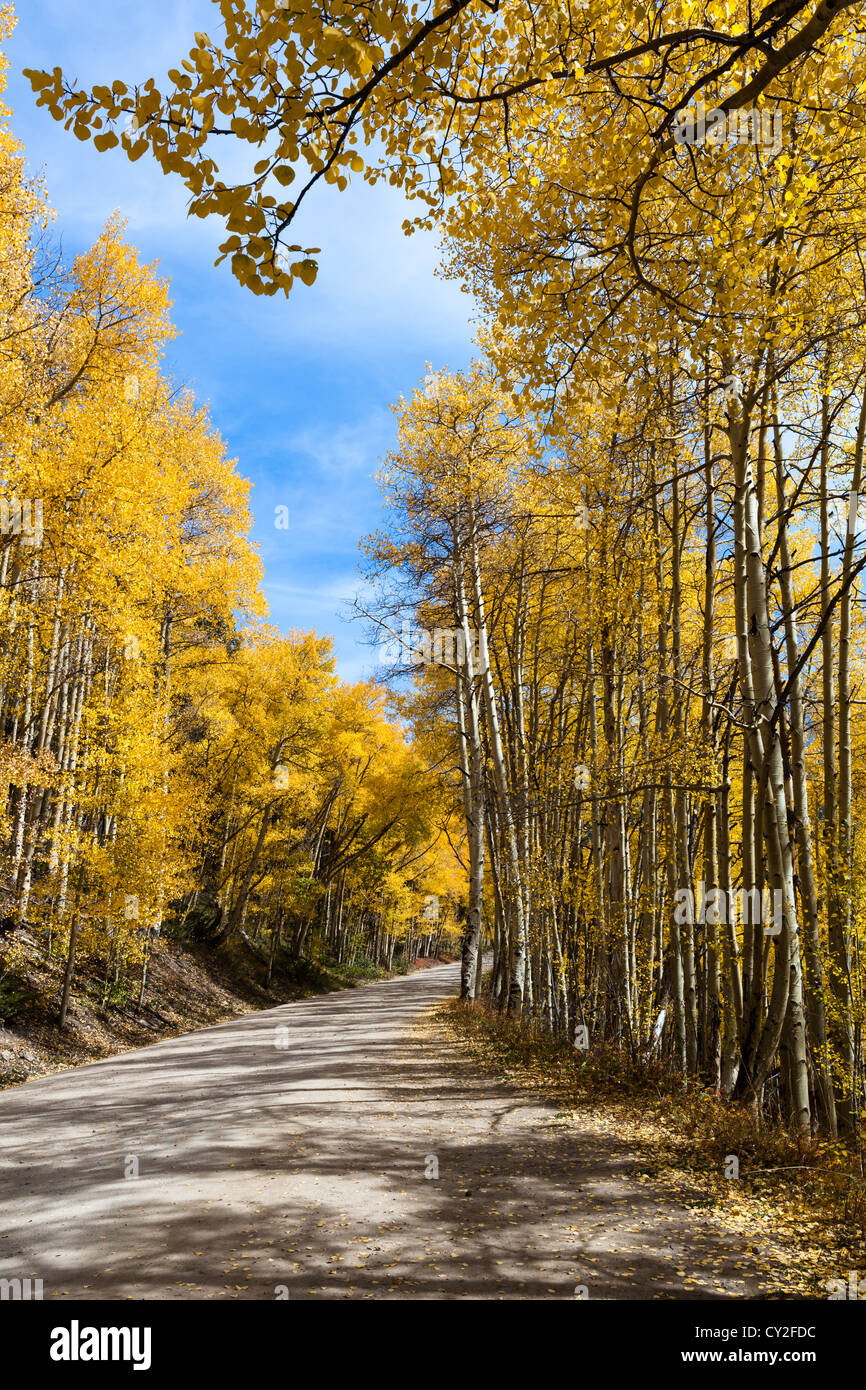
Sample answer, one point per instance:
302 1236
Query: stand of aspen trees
653 710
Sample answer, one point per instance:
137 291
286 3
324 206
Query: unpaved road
295 1163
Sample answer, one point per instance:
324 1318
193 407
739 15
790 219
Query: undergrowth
811 1190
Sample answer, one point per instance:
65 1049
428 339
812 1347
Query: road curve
325 1149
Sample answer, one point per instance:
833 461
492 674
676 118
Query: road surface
325 1149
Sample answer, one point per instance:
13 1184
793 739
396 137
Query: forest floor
349 1146
794 1209
188 987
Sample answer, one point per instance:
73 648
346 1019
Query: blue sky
299 388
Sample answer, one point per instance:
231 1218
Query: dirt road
325 1149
